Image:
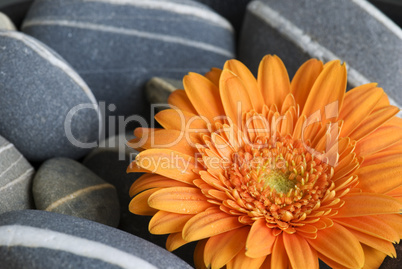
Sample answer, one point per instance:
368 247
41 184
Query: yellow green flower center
277 180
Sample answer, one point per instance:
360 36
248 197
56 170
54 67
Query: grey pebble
15 179
65 186
34 239
5 22
159 89
117 46
46 109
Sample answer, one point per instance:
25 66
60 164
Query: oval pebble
15 179
65 186
44 240
5 22
118 45
46 109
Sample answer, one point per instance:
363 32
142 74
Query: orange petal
242 261
304 80
371 226
139 204
373 121
165 222
181 120
382 138
169 139
374 242
273 80
339 245
374 258
381 177
199 254
395 221
234 95
260 240
279 258
174 241
328 89
221 248
249 82
209 223
299 252
204 95
168 163
214 75
358 104
363 204
179 99
181 200
149 181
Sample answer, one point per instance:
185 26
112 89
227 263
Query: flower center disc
278 180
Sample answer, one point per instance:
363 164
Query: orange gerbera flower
274 174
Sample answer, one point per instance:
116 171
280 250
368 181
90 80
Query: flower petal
358 104
299 252
249 82
150 181
329 88
304 80
242 261
234 95
273 80
182 200
373 121
371 226
209 223
279 258
174 241
214 75
260 240
204 95
139 204
374 242
166 222
168 163
179 100
221 248
181 120
363 204
381 177
339 245
374 258
199 254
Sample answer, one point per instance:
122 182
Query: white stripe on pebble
178 8
32 237
11 166
131 32
305 43
17 180
6 147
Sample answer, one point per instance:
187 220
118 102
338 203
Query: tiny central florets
277 180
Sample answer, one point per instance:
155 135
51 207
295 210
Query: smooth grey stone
15 179
5 22
354 31
117 46
232 10
15 9
158 91
67 187
44 240
46 109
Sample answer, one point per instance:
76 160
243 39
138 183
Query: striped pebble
65 186
15 179
37 239
118 45
46 109
351 30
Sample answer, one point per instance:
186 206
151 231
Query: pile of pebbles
77 76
